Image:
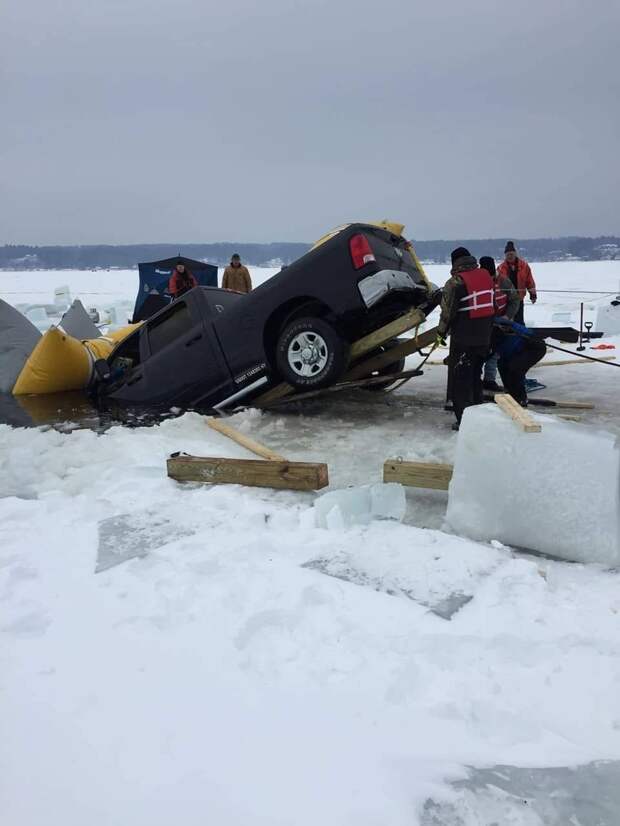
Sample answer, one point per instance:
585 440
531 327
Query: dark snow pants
466 384
513 370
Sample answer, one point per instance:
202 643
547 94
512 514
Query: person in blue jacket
518 350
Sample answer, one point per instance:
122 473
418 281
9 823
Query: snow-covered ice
557 491
239 665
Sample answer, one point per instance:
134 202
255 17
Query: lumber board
346 385
548 363
520 416
431 475
261 473
405 322
243 440
405 348
540 402
359 348
559 362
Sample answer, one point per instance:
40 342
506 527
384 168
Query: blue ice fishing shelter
154 276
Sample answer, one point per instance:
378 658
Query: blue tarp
154 276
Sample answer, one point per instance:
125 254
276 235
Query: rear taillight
361 251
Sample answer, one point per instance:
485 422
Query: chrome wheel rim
307 354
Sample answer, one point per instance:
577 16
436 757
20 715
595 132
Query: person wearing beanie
519 272
181 280
506 306
236 277
467 312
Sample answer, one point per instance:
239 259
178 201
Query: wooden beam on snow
261 473
520 416
560 362
431 475
243 440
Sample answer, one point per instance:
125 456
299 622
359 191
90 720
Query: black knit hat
487 263
510 247
459 252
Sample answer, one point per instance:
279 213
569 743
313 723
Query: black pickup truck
212 348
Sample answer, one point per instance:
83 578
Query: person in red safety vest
181 281
467 313
506 306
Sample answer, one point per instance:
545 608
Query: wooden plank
359 348
517 413
559 362
261 473
405 348
540 402
545 363
243 440
418 474
346 385
405 322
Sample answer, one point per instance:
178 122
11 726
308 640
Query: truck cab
174 355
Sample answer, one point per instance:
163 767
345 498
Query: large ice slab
557 492
608 318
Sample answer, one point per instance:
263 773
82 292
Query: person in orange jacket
181 281
519 272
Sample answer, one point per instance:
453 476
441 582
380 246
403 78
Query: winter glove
533 298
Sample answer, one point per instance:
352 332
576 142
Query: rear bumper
375 287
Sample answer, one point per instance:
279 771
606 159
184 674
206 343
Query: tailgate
392 253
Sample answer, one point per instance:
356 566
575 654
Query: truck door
183 356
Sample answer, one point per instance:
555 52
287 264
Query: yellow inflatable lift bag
60 362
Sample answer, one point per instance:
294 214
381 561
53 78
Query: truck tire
310 354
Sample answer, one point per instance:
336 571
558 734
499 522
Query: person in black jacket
467 311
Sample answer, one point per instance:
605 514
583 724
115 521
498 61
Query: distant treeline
276 254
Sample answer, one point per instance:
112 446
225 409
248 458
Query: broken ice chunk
360 505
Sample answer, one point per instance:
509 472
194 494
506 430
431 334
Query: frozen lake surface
208 655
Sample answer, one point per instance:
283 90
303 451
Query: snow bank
557 491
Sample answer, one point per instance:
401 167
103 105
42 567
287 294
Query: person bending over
518 350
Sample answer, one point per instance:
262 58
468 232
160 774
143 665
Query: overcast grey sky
257 120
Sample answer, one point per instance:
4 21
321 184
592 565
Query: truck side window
127 354
169 326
